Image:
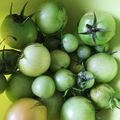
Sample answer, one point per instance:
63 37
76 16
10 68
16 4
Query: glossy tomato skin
64 79
3 83
70 42
54 105
43 86
77 108
19 86
24 33
26 109
105 21
59 59
35 60
103 66
51 17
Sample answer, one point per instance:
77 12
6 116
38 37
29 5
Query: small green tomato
43 86
70 42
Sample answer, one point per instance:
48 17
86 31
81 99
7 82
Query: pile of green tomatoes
70 74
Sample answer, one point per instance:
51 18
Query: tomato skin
26 109
108 114
3 83
43 86
59 59
54 105
51 17
83 52
105 21
103 96
64 79
19 86
35 60
103 66
25 34
77 108
70 42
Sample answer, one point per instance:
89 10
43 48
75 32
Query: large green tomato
78 108
26 109
51 17
24 33
103 66
19 86
96 28
35 60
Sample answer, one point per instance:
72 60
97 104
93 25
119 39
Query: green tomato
108 114
3 83
64 79
8 60
77 108
70 42
43 86
54 105
85 80
24 32
51 17
35 60
75 67
19 86
103 96
52 43
83 52
59 59
103 66
96 28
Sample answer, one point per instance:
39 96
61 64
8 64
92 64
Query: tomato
51 17
59 59
85 80
70 42
96 28
8 60
54 105
83 52
52 43
77 108
75 67
35 60
26 109
109 114
104 96
19 86
64 79
43 86
21 28
3 83
103 66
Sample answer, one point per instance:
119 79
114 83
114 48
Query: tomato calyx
20 18
93 29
